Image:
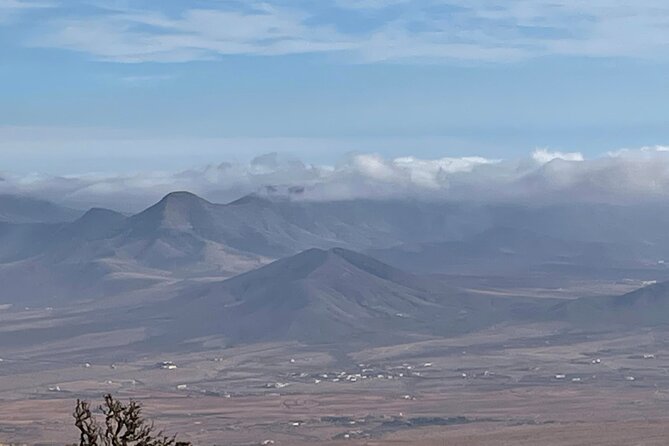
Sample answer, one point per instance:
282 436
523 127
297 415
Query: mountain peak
316 257
182 197
98 217
271 194
249 199
97 213
179 210
97 222
332 261
316 296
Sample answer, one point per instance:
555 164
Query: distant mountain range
507 250
263 268
20 209
186 236
338 295
323 296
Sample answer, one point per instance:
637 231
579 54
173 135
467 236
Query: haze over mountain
184 236
506 251
645 307
265 268
323 296
22 209
545 177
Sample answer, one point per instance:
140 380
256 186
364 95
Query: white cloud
197 34
543 156
368 4
10 9
373 167
144 79
632 176
433 174
390 30
640 151
8 5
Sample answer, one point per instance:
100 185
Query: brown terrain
501 386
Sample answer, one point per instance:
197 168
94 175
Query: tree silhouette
124 425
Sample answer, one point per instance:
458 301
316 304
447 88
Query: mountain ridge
329 295
24 209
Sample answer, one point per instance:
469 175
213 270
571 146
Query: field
507 385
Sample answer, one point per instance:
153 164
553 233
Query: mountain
52 264
21 241
177 211
184 236
21 209
508 250
329 296
280 227
186 233
96 223
647 306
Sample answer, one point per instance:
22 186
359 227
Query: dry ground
496 387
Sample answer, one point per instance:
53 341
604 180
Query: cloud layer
620 177
359 30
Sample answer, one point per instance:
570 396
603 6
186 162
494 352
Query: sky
122 86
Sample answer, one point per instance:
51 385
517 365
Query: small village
598 371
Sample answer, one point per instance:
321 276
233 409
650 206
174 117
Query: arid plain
509 384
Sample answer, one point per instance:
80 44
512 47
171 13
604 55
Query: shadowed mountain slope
505 250
185 236
647 306
20 209
328 295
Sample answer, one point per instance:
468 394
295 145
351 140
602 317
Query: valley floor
509 385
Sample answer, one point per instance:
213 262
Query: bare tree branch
124 425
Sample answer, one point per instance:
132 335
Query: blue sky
122 85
